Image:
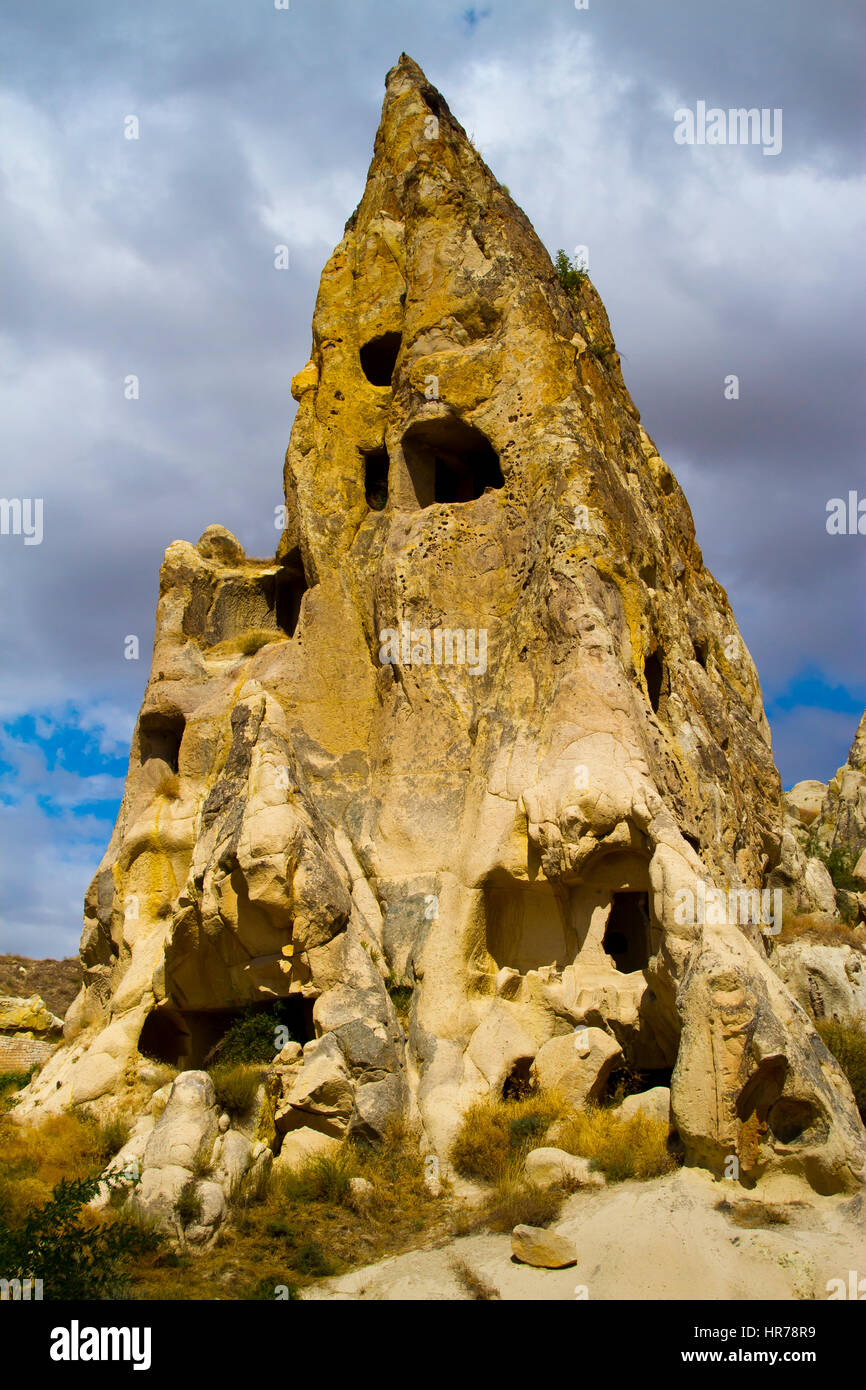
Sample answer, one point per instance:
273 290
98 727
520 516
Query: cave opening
379 358
449 461
290 585
654 675
160 736
627 933
190 1038
376 479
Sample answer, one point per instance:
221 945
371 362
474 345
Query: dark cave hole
290 585
376 479
654 675
518 1083
190 1038
159 736
626 936
379 358
450 461
700 649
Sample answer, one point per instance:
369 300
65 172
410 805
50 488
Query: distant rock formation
484 729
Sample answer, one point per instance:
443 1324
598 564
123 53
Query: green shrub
250 1038
11 1082
839 863
75 1254
188 1203
236 1087
571 276
495 1132
847 1042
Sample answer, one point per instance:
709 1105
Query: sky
153 258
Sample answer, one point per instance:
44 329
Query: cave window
376 479
379 358
162 1039
654 675
449 461
159 736
700 653
626 936
290 585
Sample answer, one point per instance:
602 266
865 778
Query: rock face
482 728
841 821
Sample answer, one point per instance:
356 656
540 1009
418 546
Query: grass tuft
621 1149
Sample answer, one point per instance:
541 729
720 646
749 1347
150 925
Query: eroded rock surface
479 729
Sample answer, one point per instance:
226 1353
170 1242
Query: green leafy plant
188 1203
75 1254
571 276
251 1037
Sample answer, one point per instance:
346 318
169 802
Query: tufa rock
483 725
533 1245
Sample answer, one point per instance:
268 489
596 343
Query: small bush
839 863
848 1045
236 1087
495 1132
815 927
634 1148
76 1254
401 998
602 352
322 1178
516 1203
571 276
251 1037
12 1082
188 1203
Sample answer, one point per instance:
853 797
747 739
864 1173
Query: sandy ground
664 1239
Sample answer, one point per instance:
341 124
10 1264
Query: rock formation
484 728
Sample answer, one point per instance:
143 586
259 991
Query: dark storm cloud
156 257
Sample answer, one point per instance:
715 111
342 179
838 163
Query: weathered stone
828 981
27 1016
300 1144
804 800
577 1065
655 1104
556 1168
534 1245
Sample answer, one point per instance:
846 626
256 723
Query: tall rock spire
485 728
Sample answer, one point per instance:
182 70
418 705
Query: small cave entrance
376 479
289 587
654 675
190 1038
379 358
160 736
627 933
449 461
164 1038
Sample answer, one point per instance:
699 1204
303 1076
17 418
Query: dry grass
55 981
634 1148
299 1228
822 930
474 1284
494 1133
236 1086
34 1157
